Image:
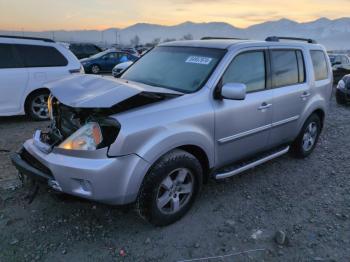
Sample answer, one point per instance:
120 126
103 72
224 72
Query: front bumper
91 175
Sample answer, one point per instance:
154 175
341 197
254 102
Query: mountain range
334 34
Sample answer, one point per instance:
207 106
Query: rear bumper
92 175
343 94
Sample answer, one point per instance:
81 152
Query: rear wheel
308 137
170 188
36 106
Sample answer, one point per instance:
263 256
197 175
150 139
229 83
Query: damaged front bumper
87 174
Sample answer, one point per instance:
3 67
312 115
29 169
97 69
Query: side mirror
234 91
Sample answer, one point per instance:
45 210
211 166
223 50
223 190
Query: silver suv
185 112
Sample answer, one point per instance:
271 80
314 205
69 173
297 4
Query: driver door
242 127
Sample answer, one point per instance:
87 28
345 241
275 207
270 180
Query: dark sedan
343 90
105 61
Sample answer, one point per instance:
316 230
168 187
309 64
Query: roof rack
278 38
28 38
221 38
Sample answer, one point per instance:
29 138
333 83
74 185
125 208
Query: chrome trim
257 130
251 165
285 121
243 134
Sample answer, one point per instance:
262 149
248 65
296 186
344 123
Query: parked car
84 50
340 66
118 69
185 112
343 90
26 65
106 61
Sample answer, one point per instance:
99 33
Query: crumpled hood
88 91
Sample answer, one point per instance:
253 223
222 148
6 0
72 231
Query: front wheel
95 69
170 188
36 106
308 137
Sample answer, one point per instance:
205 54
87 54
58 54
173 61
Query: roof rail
278 38
28 38
221 38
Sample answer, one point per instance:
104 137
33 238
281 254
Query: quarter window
287 67
7 57
320 65
40 56
249 69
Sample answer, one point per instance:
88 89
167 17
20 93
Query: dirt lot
308 200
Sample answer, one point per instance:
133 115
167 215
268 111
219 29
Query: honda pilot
184 113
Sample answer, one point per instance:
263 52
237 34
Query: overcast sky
101 14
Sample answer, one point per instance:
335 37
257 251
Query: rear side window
249 69
320 65
287 67
8 59
41 56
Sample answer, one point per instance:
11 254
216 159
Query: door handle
305 95
264 106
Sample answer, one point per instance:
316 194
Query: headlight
87 137
341 84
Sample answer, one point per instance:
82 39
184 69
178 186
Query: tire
160 200
307 139
36 105
95 69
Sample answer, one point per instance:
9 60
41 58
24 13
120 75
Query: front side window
185 69
320 64
287 67
249 69
40 56
7 57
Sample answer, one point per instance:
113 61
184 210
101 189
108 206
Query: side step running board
250 165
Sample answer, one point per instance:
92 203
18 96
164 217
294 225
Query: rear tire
170 188
307 139
36 105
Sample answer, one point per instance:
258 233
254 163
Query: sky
39 15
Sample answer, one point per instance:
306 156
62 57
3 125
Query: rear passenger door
13 80
291 93
44 64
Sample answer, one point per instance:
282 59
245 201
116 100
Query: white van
26 64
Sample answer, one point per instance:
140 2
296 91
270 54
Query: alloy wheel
39 106
175 191
310 136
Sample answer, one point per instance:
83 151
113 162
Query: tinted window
8 58
249 69
320 65
285 69
41 56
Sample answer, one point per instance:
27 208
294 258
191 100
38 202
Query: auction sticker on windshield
199 60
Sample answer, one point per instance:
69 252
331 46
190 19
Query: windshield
184 69
98 55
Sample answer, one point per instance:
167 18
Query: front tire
36 106
307 139
95 69
170 188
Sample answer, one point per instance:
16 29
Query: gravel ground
285 210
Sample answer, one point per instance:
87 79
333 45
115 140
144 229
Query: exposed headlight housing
88 137
341 84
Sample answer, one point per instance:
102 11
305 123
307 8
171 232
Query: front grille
32 161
